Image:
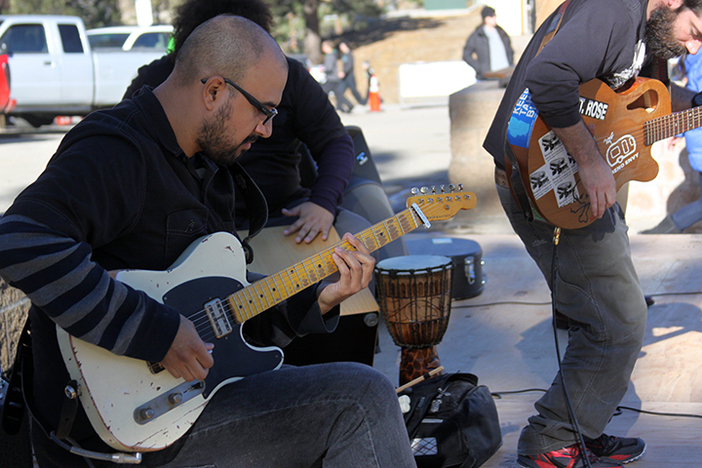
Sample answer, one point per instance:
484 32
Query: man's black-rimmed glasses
268 112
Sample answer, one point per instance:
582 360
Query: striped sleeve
57 274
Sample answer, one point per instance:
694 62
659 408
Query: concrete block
471 111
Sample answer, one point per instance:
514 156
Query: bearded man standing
592 279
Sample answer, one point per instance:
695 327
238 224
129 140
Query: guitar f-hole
648 101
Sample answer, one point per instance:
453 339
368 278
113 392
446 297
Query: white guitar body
135 408
138 406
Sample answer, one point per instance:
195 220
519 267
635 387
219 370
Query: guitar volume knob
175 398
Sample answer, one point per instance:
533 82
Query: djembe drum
414 295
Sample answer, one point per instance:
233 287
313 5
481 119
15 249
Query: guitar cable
117 457
554 273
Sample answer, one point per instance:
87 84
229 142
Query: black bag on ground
452 422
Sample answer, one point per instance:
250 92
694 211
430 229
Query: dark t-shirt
596 39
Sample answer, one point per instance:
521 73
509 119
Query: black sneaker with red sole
568 457
618 449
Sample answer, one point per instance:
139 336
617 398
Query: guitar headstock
440 204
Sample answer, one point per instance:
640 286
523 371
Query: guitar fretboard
272 290
671 125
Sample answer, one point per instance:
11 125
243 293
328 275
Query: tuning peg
424 190
433 189
414 191
442 188
452 188
460 187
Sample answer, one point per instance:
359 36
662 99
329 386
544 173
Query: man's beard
659 37
212 141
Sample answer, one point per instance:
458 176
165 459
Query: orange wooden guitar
624 124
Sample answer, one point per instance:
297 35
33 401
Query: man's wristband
697 100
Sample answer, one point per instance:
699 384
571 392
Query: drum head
409 263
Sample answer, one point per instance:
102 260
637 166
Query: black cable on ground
620 408
574 420
496 303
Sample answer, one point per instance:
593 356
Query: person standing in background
333 81
348 80
489 47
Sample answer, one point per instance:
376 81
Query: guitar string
201 319
207 332
665 126
369 237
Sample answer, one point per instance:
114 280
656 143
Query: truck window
105 41
24 39
70 38
154 40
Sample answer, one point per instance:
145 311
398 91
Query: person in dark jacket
306 126
349 79
489 47
135 187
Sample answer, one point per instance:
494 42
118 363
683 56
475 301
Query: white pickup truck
55 72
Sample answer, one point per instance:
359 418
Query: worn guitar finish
624 124
138 406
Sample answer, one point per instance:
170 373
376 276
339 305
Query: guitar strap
515 179
14 404
516 184
18 398
554 25
255 204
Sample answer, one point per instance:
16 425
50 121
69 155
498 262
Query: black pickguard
233 357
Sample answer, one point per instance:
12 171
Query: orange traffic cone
374 94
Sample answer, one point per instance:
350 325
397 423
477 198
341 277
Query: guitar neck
274 289
671 125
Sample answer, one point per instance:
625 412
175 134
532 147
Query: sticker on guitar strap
558 172
521 123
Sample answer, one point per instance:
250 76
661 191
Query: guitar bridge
218 318
167 401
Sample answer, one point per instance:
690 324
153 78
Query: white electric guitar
135 405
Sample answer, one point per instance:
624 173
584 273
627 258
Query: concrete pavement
503 335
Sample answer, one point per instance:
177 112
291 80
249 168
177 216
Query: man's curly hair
192 13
